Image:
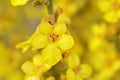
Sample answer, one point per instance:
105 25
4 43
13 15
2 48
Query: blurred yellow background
95 27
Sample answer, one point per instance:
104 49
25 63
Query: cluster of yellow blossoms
53 39
77 71
111 10
103 56
60 58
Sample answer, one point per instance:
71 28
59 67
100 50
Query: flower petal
63 19
118 13
38 60
85 71
60 28
65 42
70 75
73 61
111 16
39 41
45 28
28 67
24 45
104 5
18 2
51 55
78 77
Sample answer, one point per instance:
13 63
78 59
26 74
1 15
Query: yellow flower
18 2
34 71
95 43
108 65
97 39
49 57
111 10
109 72
105 61
77 71
99 29
106 55
46 34
29 68
53 40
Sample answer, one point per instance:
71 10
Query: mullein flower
98 34
47 33
109 62
53 39
34 72
111 10
77 71
41 63
18 2
99 30
108 72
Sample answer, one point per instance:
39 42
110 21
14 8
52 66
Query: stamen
76 69
109 62
116 5
53 37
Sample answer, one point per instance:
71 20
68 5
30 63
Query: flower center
116 5
38 67
76 69
109 62
53 37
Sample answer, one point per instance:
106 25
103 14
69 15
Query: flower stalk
50 6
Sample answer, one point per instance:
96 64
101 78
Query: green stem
50 7
48 3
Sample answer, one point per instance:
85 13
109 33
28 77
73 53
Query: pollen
53 37
116 5
76 69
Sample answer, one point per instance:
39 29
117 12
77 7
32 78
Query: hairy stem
50 6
